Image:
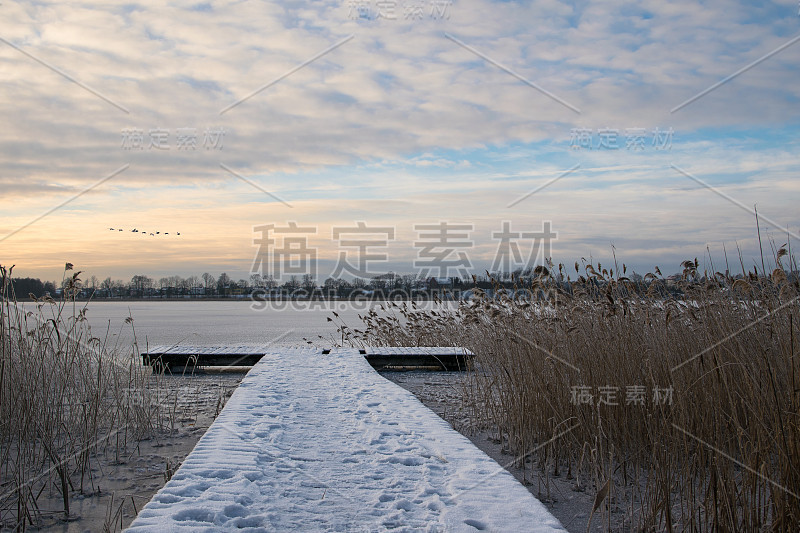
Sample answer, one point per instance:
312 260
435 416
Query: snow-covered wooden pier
181 355
314 441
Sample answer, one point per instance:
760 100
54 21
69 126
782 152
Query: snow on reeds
676 401
65 399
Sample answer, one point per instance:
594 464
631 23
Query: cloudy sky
648 129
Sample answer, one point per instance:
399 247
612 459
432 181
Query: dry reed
65 399
676 401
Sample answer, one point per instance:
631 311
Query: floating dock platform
314 441
380 357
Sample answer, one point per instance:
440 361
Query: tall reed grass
676 402
65 398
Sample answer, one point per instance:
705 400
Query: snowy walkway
313 442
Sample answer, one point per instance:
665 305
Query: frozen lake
216 322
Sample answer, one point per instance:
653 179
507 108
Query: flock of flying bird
143 232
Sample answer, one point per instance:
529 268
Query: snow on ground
314 442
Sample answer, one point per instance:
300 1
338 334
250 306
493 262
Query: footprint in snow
477 524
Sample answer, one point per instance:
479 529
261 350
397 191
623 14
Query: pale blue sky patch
204 7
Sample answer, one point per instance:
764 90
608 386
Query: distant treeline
223 286
23 287
383 285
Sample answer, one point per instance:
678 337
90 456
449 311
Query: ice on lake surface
216 322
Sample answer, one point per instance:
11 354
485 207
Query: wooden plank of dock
183 355
400 357
321 442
